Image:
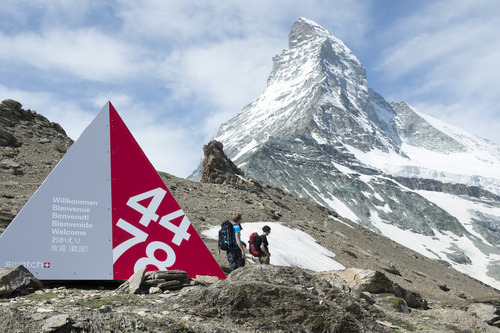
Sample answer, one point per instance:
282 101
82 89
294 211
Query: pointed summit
305 29
316 86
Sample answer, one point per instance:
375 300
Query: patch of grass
454 328
430 316
41 297
180 328
429 326
402 323
95 303
396 301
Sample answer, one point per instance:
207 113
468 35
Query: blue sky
177 70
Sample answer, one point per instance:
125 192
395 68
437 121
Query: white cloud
222 53
224 76
190 66
46 12
185 22
443 59
170 148
179 21
86 54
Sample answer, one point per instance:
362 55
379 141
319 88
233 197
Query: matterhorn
318 131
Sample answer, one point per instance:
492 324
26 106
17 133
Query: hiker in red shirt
265 256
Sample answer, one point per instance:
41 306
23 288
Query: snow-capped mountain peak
319 132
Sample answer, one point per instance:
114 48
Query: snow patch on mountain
478 167
461 208
443 243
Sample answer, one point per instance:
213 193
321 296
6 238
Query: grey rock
377 282
154 281
17 277
401 306
135 281
11 104
206 279
167 275
58 323
458 255
155 290
9 164
8 139
105 309
367 296
172 284
487 309
438 186
486 312
393 270
366 280
217 168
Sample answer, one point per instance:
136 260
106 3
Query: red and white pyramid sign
104 213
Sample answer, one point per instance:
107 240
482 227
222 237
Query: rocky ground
268 299
252 299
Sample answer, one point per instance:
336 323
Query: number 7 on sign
139 237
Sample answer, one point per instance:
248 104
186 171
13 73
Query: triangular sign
104 213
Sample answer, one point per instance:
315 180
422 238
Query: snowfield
288 247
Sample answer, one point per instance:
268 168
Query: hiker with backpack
259 246
265 256
230 241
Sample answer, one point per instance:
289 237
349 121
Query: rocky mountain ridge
294 299
319 132
31 146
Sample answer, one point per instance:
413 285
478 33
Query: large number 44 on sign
154 239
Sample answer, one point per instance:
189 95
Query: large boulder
15 278
376 282
58 323
217 167
487 309
366 280
267 298
8 139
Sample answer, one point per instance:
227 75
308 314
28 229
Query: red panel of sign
149 227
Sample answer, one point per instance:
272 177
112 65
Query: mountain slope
319 132
456 300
